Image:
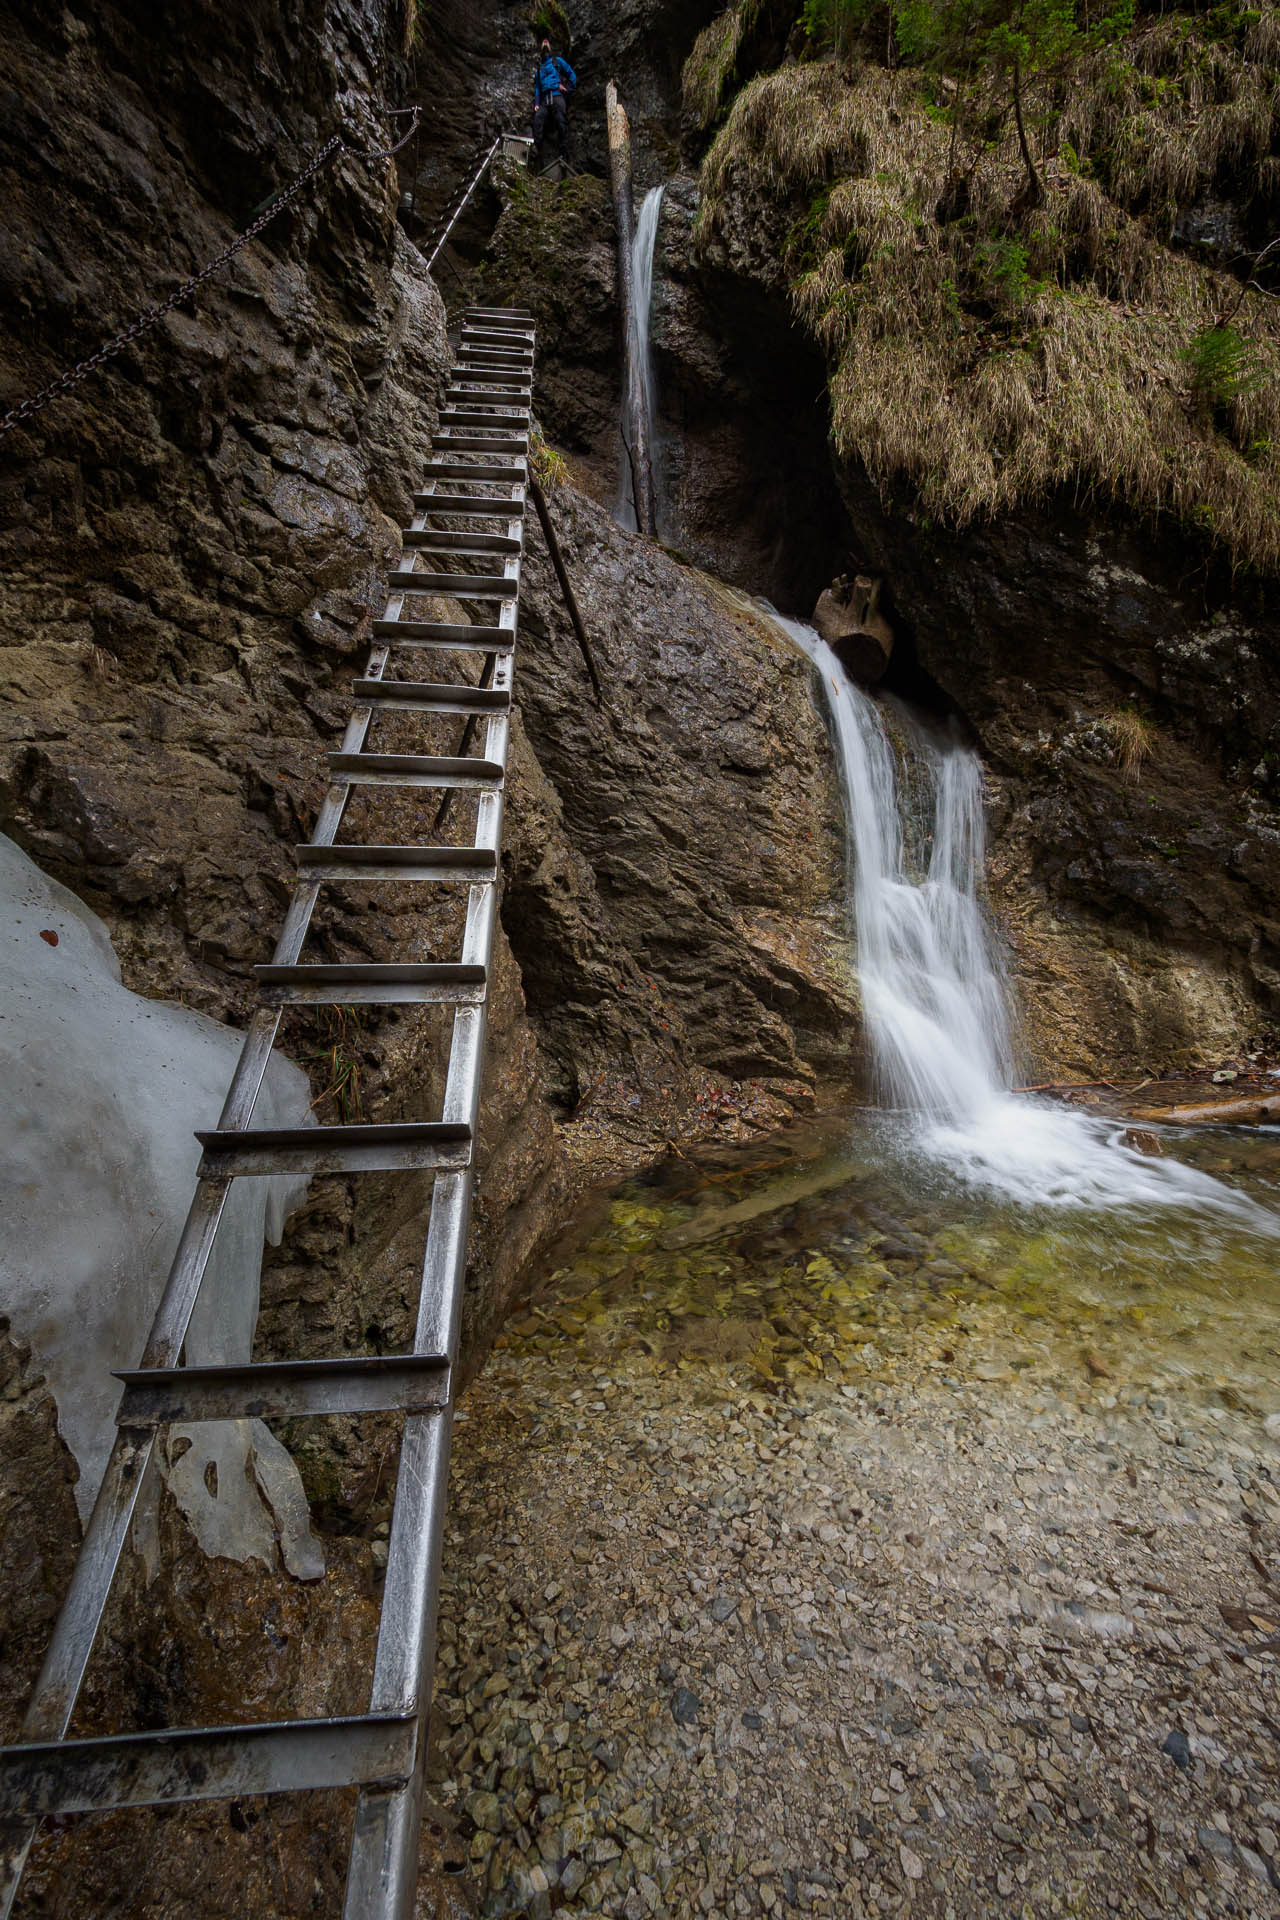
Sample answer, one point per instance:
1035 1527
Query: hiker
551 87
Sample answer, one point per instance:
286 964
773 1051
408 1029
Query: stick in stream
557 561
619 133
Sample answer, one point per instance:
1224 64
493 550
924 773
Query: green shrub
1224 367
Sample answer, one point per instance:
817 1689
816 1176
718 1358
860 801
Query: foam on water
934 996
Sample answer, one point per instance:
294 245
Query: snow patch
103 1093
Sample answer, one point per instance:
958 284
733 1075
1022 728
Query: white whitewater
934 999
640 387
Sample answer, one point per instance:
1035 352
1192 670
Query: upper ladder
479 477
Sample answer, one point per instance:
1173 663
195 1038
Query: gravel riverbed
806 1562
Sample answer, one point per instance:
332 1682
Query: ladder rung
431 547
501 337
415 770
475 864
450 635
493 360
443 1146
213 1763
492 398
485 406
426 696
480 443
499 384
359 984
505 316
284 1390
456 586
486 471
471 420
438 541
462 503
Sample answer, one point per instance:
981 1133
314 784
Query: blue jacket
551 76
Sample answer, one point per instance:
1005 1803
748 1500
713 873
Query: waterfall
639 353
934 998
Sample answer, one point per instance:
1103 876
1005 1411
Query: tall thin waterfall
640 389
934 1000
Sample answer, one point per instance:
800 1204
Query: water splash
640 383
934 997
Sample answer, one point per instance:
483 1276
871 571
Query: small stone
685 1707
1212 1841
912 1864
1254 1864
722 1606
1178 1749
485 1811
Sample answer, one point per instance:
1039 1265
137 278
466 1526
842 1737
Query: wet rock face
676 879
37 1542
553 251
742 428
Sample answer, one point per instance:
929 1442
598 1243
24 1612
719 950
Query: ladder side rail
49 1711
383 1867
474 182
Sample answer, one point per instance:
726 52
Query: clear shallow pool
845 1253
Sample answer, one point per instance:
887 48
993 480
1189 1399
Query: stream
884 1518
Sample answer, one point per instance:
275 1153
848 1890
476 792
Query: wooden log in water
1254 1110
635 426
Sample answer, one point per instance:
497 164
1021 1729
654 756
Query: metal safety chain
152 317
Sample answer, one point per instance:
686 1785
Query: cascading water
934 1000
639 353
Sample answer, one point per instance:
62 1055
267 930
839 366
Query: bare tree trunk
1035 186
625 219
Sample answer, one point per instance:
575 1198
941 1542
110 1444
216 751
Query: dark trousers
556 109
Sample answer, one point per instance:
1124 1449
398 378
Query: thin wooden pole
625 219
570 600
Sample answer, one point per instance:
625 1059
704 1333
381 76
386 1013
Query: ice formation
103 1091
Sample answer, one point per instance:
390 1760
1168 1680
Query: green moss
548 18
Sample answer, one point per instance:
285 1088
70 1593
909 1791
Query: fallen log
1254 1111
619 132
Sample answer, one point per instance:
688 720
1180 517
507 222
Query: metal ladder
514 146
480 473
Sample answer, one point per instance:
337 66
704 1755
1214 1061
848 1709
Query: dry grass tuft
1002 357
1133 739
1167 115
799 128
